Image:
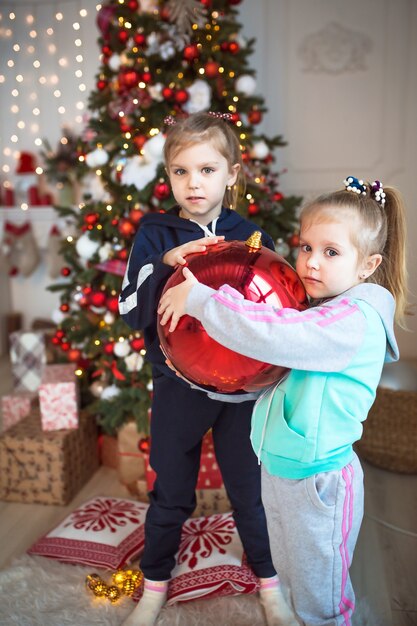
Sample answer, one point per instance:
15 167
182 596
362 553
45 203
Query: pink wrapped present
58 397
14 407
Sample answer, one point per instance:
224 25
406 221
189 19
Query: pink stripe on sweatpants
346 606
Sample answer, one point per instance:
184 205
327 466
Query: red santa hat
26 164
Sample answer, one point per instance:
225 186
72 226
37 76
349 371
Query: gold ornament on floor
125 583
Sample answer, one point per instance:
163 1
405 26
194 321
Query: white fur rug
36 591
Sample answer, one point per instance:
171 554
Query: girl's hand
176 256
172 304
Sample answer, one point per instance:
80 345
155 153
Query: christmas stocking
54 259
22 250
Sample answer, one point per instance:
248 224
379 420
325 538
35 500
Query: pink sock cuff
269 583
156 585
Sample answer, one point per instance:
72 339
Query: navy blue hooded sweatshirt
146 274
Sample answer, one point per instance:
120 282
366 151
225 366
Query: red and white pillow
103 532
109 533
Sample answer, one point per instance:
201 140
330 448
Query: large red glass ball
260 275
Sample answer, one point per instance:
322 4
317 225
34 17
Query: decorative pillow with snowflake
210 561
109 532
103 532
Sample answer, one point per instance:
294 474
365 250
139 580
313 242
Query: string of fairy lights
46 73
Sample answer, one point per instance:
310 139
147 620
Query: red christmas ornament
206 3
211 69
133 5
65 346
144 445
191 52
60 334
294 240
123 35
181 96
112 304
101 85
97 298
233 47
139 141
123 254
91 218
277 196
135 215
167 93
234 117
260 275
161 190
65 271
126 228
107 51
128 79
255 116
74 355
253 208
139 39
137 344
146 77
64 307
108 347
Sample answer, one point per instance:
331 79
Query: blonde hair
203 127
380 230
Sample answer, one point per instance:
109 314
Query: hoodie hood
384 304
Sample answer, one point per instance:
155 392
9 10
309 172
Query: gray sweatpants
313 525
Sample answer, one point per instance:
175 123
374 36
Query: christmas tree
172 57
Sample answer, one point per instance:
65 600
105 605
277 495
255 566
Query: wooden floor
384 569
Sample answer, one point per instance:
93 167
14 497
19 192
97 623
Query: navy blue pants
180 419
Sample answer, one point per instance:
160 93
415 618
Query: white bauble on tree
110 392
121 348
86 247
246 84
259 150
134 362
96 158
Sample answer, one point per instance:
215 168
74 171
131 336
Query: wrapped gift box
46 467
58 397
28 358
131 462
15 406
209 476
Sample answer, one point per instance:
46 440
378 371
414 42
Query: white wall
340 83
338 78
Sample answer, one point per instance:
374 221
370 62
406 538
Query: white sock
150 605
277 611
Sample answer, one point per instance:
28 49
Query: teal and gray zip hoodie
307 422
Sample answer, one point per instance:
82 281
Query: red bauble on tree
181 96
112 304
191 52
260 275
253 208
167 93
139 39
101 84
104 19
211 69
255 116
161 190
144 445
97 298
126 228
133 5
137 344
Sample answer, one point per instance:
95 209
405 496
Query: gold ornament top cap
255 240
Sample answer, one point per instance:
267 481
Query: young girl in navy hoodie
352 263
204 165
